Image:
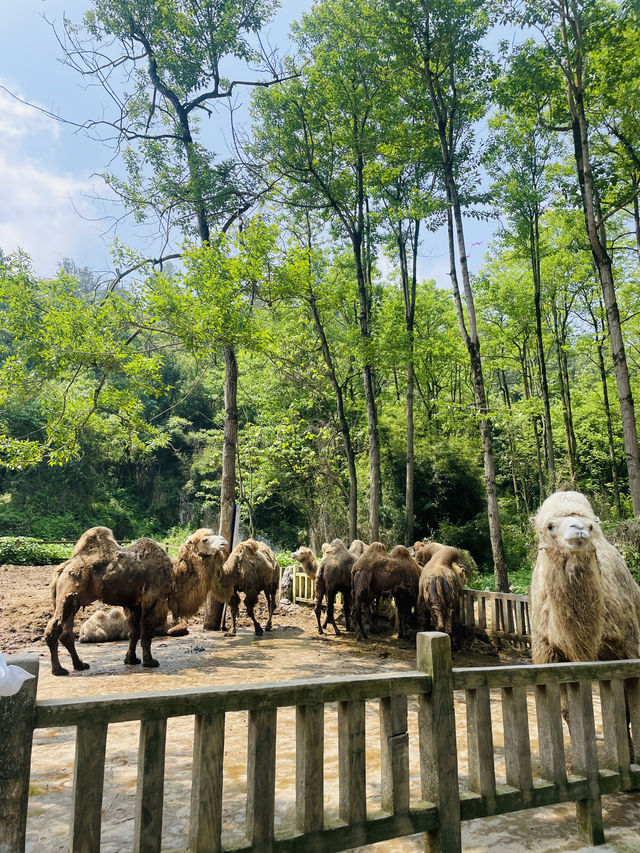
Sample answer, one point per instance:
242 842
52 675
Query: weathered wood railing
496 616
530 700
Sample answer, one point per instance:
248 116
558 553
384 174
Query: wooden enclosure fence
492 616
503 713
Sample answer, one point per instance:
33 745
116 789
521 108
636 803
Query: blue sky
49 173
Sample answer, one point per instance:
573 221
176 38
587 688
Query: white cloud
18 119
40 212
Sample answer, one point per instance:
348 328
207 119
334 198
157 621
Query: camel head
207 543
567 523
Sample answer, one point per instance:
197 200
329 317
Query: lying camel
138 578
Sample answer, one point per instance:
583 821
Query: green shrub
23 551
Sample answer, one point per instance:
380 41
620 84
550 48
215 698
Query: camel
440 590
250 568
334 576
423 551
585 604
139 578
104 626
198 563
377 573
357 548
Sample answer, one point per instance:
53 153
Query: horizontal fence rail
488 741
496 616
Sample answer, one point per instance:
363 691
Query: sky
53 202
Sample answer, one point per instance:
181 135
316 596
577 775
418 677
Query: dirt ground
26 607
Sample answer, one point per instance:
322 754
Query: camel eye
590 527
549 526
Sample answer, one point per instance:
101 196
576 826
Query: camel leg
250 600
356 617
135 615
147 623
331 619
271 603
60 629
346 598
318 611
234 604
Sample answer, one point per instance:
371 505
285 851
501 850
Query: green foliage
25 551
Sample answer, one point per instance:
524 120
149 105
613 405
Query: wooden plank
437 742
17 714
310 767
205 819
261 777
352 796
632 692
615 729
88 782
517 747
550 735
186 701
482 775
469 616
147 833
510 623
394 754
482 612
585 760
468 678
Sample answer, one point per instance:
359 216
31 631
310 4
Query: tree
574 35
318 135
519 155
443 76
174 52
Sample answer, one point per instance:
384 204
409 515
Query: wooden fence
492 616
530 700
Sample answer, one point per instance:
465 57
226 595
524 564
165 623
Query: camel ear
325 547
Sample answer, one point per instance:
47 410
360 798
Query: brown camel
139 578
378 573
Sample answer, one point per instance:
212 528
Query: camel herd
145 585
585 604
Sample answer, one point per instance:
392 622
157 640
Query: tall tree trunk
597 240
213 608
342 420
565 395
504 387
535 421
473 347
612 450
542 366
375 481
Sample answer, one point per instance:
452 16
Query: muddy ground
204 658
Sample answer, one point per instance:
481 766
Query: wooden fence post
16 736
438 749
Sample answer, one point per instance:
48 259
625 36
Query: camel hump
400 552
96 539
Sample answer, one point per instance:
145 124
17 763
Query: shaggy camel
585 604
138 577
104 626
199 562
377 573
424 551
440 590
357 548
334 576
250 568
